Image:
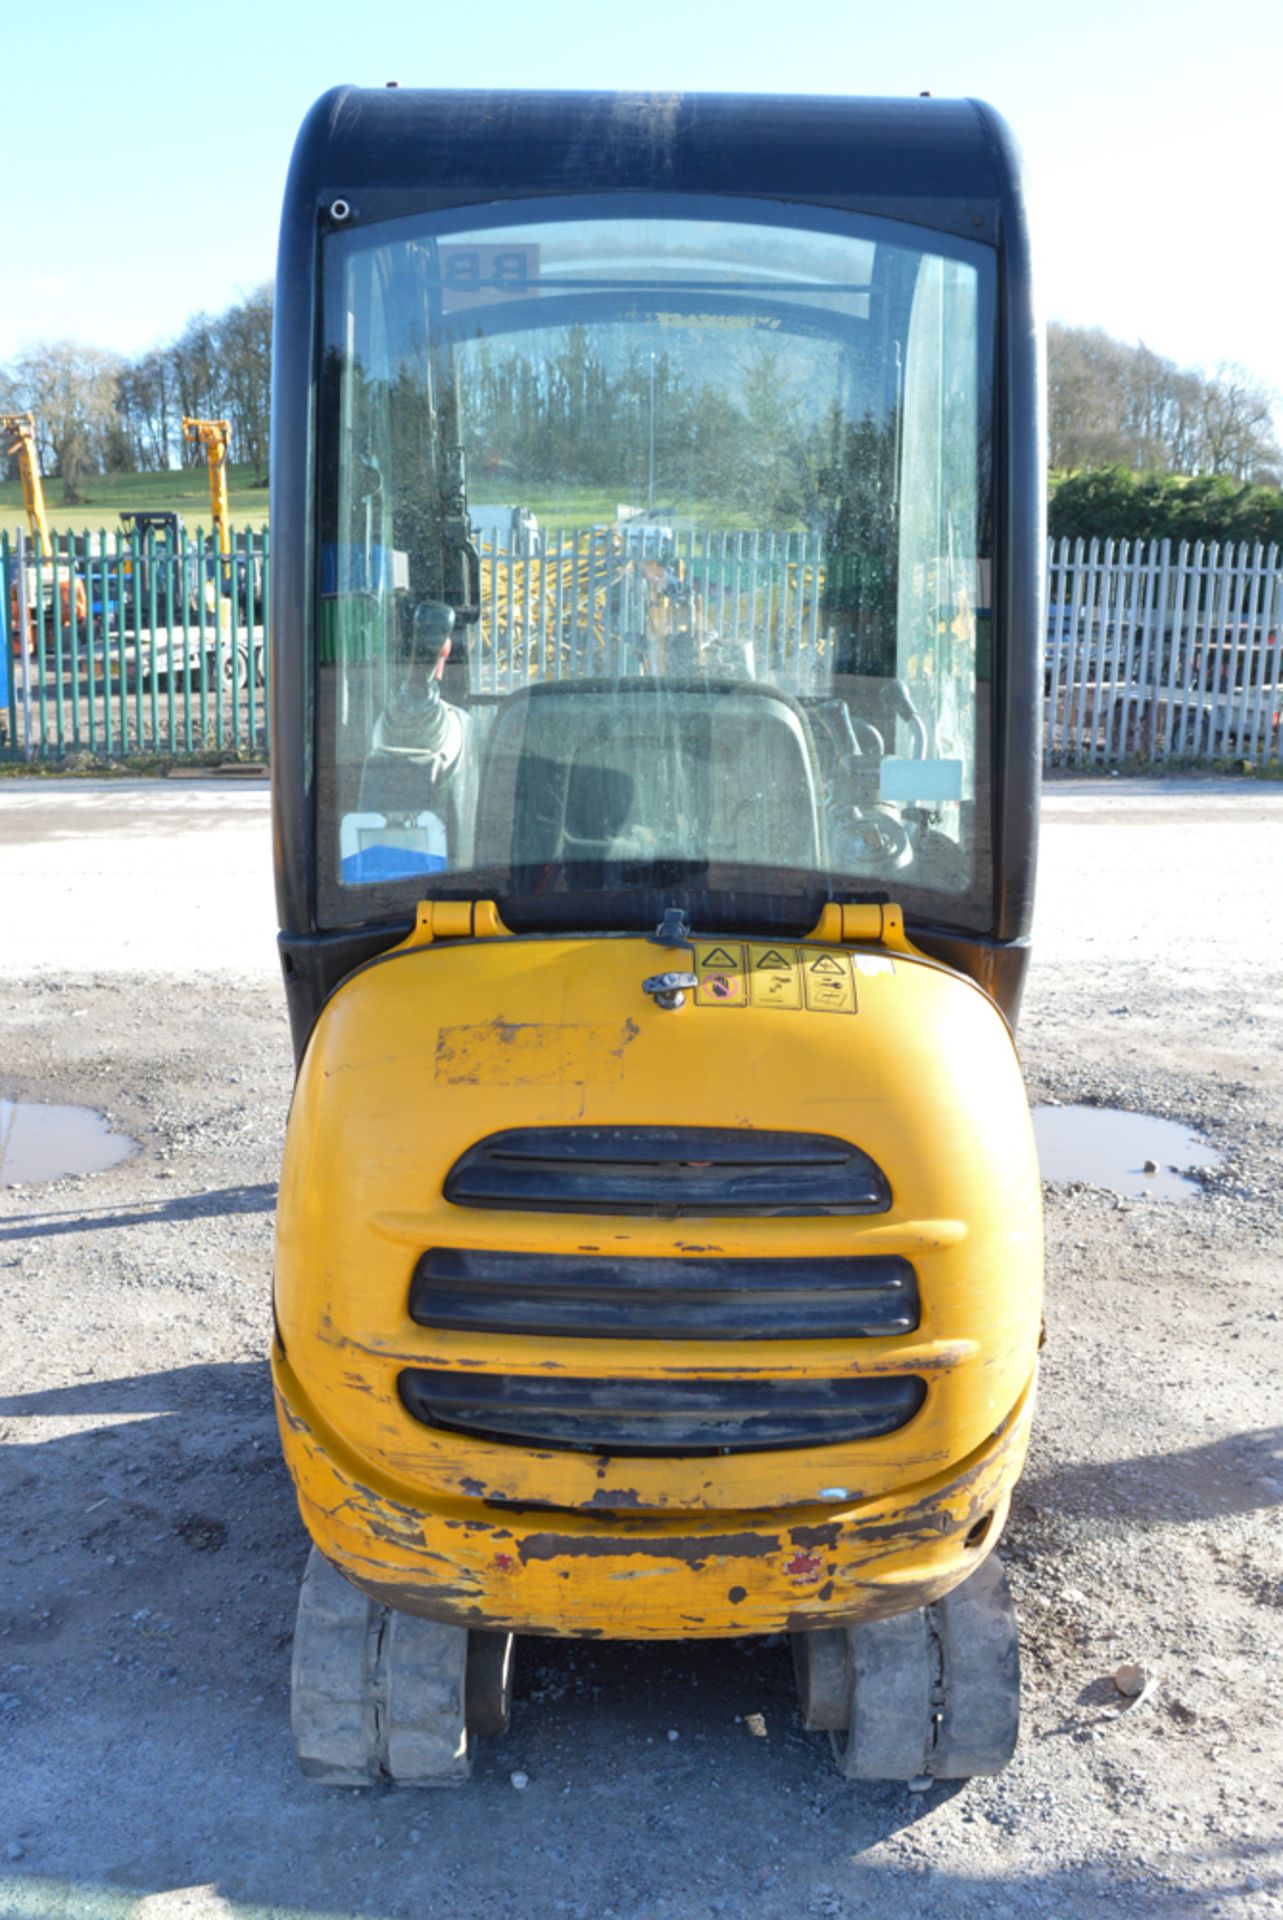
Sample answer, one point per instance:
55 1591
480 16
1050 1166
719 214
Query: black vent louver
664 1416
667 1172
591 1296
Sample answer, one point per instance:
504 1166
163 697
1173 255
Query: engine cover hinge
868 924
456 920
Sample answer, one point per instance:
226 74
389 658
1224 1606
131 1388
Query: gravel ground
153 1552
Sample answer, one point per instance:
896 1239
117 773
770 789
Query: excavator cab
659 1240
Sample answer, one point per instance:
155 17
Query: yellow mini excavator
659 1240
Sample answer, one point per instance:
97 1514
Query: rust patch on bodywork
693 1552
454 1606
455 1555
826 1535
513 1053
627 1034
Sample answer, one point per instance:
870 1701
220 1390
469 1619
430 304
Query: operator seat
646 769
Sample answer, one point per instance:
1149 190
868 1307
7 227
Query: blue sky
144 147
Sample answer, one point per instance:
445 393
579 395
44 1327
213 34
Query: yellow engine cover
434 1047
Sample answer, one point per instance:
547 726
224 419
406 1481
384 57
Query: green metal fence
119 644
157 643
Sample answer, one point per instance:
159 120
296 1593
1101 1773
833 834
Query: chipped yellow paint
643 1576
510 1053
925 1079
546 1233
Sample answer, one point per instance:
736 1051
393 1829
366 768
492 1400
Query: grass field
107 495
187 492
589 507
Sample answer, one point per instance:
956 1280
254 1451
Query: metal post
202 648
24 645
650 451
265 592
8 606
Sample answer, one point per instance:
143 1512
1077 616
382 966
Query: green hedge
1116 503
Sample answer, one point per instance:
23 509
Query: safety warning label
830 984
773 977
720 972
789 978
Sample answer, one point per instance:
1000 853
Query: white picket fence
1152 653
1155 653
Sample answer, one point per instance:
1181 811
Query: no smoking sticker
720 971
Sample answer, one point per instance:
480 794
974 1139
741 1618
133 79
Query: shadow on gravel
1242 1473
153 1559
224 1384
186 1206
525 1889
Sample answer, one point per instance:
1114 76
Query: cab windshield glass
654 556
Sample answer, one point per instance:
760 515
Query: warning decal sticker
793 979
720 972
774 977
830 984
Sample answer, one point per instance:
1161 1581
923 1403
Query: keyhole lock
669 988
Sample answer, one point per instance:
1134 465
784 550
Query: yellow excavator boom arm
20 430
215 436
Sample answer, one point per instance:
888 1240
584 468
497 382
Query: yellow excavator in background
240 579
19 432
215 438
22 448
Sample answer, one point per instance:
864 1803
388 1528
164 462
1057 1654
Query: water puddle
1130 1153
47 1143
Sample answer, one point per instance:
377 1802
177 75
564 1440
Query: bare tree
1115 404
148 409
245 357
1087 398
71 389
194 359
10 402
1237 427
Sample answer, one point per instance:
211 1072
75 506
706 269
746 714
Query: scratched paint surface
410 1065
507 1053
630 1576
